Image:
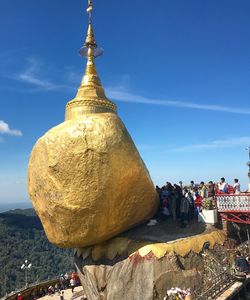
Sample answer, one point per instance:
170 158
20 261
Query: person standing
62 295
62 282
203 190
192 185
165 210
19 296
191 206
72 284
178 192
223 186
198 203
184 209
158 190
172 205
236 186
181 185
211 189
66 277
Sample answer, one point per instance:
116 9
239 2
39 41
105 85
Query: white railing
233 202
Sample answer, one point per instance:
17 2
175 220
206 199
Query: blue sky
178 70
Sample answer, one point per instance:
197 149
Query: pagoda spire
90 97
90 39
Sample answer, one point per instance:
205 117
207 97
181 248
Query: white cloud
123 96
216 144
5 129
117 93
30 76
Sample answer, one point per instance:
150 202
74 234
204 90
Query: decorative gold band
77 108
91 102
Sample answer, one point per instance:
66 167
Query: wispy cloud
31 76
5 129
216 144
124 96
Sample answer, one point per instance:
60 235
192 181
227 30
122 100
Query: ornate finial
90 39
91 97
89 10
90 42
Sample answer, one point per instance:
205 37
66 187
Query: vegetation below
22 237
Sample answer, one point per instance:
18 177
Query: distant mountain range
8 206
22 237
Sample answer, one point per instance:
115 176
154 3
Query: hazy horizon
14 205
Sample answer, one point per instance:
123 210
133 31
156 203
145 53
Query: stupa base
145 262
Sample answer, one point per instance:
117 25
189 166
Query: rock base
125 268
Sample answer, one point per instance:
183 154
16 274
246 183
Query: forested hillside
22 237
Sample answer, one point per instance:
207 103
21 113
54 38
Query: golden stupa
86 178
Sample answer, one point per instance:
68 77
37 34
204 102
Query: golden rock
86 178
88 182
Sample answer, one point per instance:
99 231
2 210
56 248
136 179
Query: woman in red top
198 202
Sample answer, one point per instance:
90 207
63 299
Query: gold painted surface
86 178
184 246
90 97
119 246
87 181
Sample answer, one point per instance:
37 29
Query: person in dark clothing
178 192
211 189
241 263
158 190
191 206
184 211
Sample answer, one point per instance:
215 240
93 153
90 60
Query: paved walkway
67 295
165 231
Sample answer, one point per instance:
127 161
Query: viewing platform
234 207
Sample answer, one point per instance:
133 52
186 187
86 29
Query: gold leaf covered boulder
86 179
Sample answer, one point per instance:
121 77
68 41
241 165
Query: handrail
218 284
223 280
233 202
26 292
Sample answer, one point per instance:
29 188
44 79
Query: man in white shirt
203 190
236 186
223 186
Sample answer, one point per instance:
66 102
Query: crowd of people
66 281
184 202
